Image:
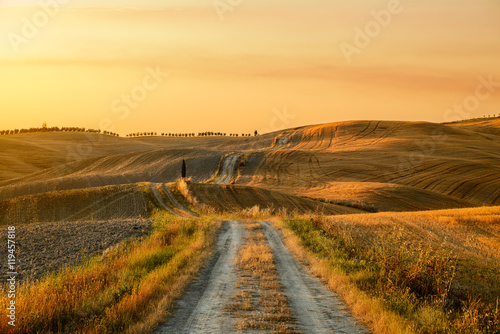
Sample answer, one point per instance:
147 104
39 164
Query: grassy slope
154 159
427 272
24 154
385 197
489 126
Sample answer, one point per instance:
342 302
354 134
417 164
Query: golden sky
178 66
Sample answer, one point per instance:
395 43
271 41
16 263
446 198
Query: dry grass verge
397 278
129 290
259 303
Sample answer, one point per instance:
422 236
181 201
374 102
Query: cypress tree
184 169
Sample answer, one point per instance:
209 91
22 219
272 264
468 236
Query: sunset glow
235 67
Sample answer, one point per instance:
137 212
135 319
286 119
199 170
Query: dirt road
228 168
203 309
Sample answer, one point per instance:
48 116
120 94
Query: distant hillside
392 166
461 163
28 153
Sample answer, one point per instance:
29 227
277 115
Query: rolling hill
388 166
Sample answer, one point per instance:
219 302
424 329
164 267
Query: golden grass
473 233
256 212
378 197
129 290
182 187
426 272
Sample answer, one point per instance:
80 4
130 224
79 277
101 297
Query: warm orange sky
89 63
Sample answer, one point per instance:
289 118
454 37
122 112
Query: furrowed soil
46 248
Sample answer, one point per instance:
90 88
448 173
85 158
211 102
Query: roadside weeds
389 287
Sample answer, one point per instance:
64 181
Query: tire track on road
176 203
160 200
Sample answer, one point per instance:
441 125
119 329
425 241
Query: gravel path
201 310
45 247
